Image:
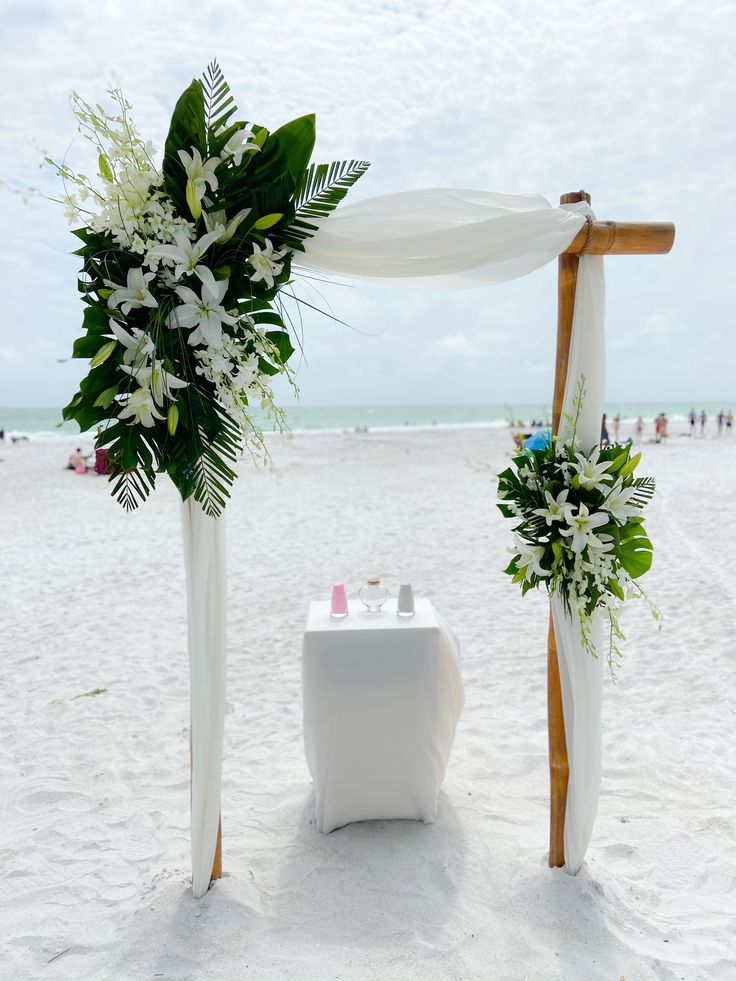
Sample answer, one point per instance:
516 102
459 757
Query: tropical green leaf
322 188
635 550
187 130
219 104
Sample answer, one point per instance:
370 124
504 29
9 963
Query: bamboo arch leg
217 861
559 770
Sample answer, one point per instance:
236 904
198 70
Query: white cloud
631 100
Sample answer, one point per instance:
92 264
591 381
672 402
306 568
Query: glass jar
373 595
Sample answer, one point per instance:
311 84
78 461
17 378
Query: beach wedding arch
187 262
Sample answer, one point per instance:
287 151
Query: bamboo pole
623 237
217 861
558 764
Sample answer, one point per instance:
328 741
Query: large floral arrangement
579 529
185 265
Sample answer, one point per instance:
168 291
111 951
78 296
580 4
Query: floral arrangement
185 265
580 531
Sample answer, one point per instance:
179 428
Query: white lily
135 294
591 473
199 175
160 382
140 408
266 264
558 508
138 346
241 141
216 221
186 256
203 312
581 527
529 558
618 503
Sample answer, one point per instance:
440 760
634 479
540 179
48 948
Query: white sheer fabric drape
204 561
449 239
580 672
439 237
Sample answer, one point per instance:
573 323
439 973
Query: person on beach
604 432
693 419
703 420
639 429
616 426
729 422
719 420
77 461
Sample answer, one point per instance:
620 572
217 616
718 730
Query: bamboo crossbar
623 238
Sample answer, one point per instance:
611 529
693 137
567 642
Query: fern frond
219 104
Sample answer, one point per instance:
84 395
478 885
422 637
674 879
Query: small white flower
241 141
160 382
199 173
581 527
138 344
185 256
140 408
529 558
135 294
591 473
265 263
203 312
618 503
216 221
558 509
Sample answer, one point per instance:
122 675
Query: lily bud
172 418
195 205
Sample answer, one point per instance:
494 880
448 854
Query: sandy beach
94 838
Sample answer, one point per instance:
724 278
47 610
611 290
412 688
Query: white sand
94 837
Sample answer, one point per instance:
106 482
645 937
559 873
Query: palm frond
644 490
213 473
321 189
219 104
132 487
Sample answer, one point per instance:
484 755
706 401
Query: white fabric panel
382 698
580 672
448 238
204 560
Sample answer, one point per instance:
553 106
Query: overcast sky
633 101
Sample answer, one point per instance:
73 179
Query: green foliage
579 527
321 189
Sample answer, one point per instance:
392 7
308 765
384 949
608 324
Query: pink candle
339 604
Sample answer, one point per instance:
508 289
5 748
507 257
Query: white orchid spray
579 529
184 322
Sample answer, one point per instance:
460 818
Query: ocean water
45 423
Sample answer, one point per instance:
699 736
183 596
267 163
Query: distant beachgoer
604 432
663 425
703 420
2 435
729 422
639 430
77 461
719 420
693 419
616 426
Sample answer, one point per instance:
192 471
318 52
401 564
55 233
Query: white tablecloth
382 697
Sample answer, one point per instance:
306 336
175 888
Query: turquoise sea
44 423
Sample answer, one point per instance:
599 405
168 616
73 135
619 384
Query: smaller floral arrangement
580 529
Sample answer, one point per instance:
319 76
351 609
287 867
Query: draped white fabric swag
443 238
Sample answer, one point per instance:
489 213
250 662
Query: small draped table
382 695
